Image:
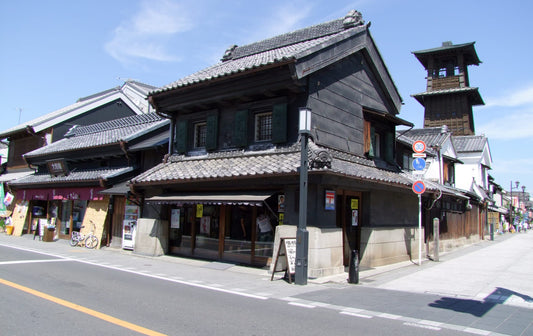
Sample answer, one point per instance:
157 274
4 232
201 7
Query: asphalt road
48 294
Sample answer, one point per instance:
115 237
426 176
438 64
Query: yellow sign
199 210
355 204
281 216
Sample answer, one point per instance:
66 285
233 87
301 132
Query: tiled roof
262 164
469 143
278 49
467 49
432 136
74 177
105 133
133 93
473 92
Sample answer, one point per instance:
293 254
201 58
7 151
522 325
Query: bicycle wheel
74 240
91 242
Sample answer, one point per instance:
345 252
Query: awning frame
219 198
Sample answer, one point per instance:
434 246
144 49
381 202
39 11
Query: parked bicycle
89 240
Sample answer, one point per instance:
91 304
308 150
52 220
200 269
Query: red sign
419 146
419 187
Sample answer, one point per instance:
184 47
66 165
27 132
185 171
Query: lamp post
511 203
302 235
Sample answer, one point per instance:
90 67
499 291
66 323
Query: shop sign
175 219
354 204
57 167
199 210
330 200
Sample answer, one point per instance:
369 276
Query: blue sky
54 52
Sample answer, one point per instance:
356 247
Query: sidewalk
498 270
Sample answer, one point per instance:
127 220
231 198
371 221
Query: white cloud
145 34
520 97
511 125
514 113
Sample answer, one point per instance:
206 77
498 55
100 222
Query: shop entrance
349 217
239 233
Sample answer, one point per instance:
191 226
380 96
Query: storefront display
238 233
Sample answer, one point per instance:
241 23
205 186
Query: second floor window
200 135
263 126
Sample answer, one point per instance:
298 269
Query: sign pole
419 229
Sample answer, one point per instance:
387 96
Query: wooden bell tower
448 98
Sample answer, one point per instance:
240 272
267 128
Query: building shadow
475 307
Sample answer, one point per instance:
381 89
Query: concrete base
152 237
385 246
325 249
448 245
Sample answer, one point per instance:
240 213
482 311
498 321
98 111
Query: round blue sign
419 164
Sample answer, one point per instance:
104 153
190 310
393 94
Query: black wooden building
234 154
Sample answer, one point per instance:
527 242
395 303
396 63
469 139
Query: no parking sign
419 187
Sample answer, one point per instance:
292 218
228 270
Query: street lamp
511 203
302 235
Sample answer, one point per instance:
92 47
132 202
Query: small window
263 126
376 143
200 135
407 162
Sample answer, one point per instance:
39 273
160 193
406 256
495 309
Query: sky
56 51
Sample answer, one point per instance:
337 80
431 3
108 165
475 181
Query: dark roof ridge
233 153
352 19
114 124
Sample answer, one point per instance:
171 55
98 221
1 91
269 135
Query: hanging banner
199 210
2 205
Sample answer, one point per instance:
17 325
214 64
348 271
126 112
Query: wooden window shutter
445 171
389 147
181 136
212 132
279 123
367 137
240 138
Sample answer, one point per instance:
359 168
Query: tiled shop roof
278 49
432 136
104 133
75 176
469 143
267 163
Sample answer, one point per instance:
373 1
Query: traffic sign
419 146
419 187
419 163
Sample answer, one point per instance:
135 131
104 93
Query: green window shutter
279 123
212 132
372 142
181 136
389 147
240 136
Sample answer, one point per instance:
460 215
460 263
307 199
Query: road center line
82 309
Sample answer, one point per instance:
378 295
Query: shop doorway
349 217
237 233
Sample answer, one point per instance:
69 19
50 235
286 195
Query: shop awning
87 194
245 198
